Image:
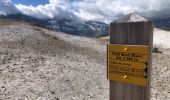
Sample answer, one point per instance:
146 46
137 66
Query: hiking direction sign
128 63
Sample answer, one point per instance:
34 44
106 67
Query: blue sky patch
31 2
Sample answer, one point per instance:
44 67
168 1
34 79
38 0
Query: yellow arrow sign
126 56
127 71
128 79
128 48
137 65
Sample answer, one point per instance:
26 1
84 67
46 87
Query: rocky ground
161 74
38 64
161 66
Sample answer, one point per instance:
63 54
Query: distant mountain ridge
163 23
80 28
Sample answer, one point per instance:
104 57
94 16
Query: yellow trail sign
128 64
137 65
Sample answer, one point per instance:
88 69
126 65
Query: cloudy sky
99 10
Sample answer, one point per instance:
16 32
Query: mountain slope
81 28
42 64
162 23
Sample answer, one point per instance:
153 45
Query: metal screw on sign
125 49
125 77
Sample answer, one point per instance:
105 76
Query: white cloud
99 10
6 7
58 1
55 8
107 10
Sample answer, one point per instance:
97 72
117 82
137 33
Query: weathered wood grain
131 33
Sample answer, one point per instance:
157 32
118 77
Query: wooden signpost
129 58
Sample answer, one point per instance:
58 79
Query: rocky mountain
80 28
163 23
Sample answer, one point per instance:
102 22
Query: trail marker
129 58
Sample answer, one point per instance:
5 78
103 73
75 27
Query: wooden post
132 29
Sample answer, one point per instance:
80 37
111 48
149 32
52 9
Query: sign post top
132 17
